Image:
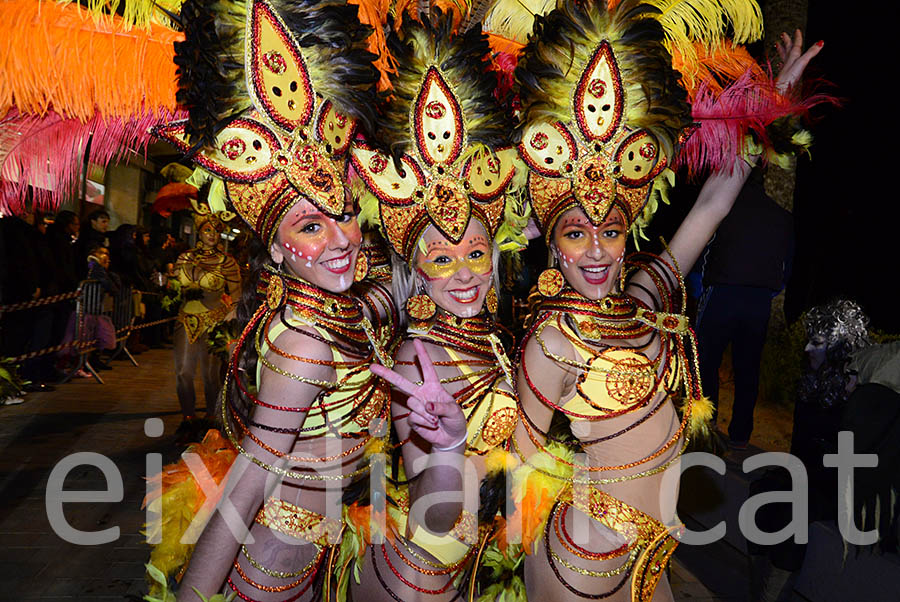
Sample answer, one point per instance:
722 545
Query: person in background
744 267
834 333
149 267
104 332
62 236
93 233
24 330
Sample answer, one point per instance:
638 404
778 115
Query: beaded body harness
216 271
476 351
614 381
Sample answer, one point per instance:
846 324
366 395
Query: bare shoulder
547 341
300 351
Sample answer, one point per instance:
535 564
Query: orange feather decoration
60 57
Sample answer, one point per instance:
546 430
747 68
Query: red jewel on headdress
340 119
274 62
233 148
493 165
377 164
539 141
670 322
597 88
435 109
648 150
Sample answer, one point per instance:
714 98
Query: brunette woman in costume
609 349
210 282
454 403
300 397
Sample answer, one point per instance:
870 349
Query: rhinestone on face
274 62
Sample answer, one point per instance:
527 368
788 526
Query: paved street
36 563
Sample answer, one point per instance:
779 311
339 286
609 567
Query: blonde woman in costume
210 282
453 404
300 397
610 347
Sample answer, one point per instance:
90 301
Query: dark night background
848 239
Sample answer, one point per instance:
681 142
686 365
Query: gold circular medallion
499 426
420 307
550 282
631 380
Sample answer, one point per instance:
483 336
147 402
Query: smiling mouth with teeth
595 274
465 295
338 265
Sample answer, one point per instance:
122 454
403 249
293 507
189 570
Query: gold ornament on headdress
603 110
447 127
203 215
290 145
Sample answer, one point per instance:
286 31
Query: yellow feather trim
701 416
376 445
708 22
514 19
498 459
536 485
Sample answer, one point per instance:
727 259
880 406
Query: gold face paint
444 259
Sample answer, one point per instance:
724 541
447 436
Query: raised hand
794 59
433 413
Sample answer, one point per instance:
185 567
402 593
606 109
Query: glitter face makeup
457 277
590 256
318 248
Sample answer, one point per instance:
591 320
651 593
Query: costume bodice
349 402
475 350
617 379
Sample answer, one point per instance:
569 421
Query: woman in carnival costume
443 203
275 93
609 350
210 282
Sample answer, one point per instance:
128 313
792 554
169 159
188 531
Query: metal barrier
91 300
96 302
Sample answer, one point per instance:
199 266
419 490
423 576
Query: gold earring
491 300
420 307
275 292
362 266
550 282
622 275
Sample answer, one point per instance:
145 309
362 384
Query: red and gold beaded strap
282 290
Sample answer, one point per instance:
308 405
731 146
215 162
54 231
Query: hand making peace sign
433 413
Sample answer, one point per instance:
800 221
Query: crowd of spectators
42 255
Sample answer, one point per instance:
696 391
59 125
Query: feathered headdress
603 109
275 93
450 156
